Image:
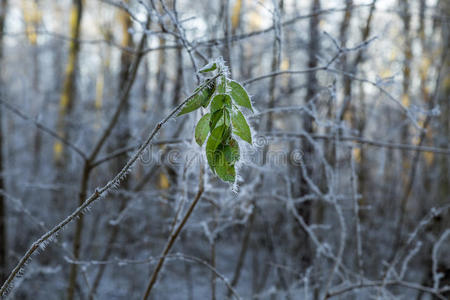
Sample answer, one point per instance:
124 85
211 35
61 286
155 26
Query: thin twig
174 256
291 21
174 236
325 67
42 127
125 150
361 140
410 285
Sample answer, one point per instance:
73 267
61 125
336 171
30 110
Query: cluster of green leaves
223 123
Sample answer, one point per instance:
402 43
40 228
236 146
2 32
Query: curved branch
436 293
361 140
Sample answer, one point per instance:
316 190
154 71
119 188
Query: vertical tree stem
174 236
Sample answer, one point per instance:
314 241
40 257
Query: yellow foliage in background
236 13
255 20
405 100
57 150
429 157
284 64
32 17
163 181
356 153
99 91
385 73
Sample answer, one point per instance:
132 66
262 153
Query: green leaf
208 68
215 139
219 117
207 94
239 95
215 118
240 126
202 98
220 101
222 85
231 151
224 169
202 129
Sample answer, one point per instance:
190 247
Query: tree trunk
3 217
67 97
305 209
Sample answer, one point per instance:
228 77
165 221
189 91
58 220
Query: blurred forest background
345 193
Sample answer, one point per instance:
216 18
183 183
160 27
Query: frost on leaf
224 119
240 127
239 95
202 98
208 68
202 129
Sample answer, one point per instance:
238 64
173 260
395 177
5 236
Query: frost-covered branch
46 238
